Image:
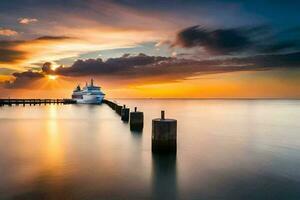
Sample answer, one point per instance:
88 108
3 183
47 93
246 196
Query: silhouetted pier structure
34 102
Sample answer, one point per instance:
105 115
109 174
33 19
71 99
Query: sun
52 77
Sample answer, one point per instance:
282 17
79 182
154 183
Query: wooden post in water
125 114
164 135
118 109
136 120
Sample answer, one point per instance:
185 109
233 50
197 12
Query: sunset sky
151 49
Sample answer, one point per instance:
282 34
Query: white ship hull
90 99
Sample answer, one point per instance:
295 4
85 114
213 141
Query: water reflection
137 134
164 176
240 184
53 148
227 150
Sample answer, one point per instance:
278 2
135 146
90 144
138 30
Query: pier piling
164 135
125 114
136 120
118 109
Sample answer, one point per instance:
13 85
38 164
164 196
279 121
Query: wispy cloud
17 53
7 32
26 21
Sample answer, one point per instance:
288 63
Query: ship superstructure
90 94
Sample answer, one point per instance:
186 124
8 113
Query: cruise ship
90 94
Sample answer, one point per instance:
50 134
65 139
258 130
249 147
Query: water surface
227 149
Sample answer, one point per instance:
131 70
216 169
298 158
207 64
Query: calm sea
227 149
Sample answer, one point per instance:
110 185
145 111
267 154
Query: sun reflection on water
54 149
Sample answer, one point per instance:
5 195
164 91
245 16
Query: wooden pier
11 102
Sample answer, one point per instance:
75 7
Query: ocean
226 149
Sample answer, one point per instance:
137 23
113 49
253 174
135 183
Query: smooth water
227 149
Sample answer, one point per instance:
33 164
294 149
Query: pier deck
30 102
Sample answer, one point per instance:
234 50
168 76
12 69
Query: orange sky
229 85
146 51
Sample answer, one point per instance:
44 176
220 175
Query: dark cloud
170 69
11 55
23 79
279 47
53 38
8 53
112 66
289 60
258 39
47 68
220 41
28 74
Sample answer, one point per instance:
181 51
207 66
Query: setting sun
52 77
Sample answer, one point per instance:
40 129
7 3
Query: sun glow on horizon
52 77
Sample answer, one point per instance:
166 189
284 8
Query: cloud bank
23 79
159 69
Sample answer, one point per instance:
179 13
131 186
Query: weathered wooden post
136 120
118 109
164 135
125 114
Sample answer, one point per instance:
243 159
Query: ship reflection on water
226 150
